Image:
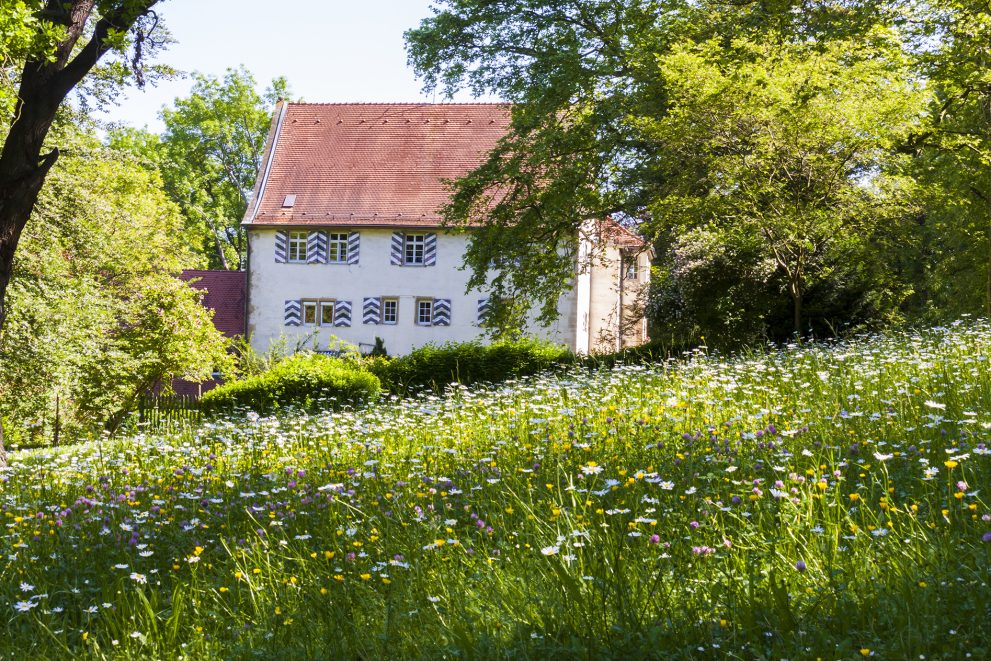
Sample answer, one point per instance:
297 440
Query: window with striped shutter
293 313
371 310
281 247
342 313
354 244
396 256
442 312
316 248
430 250
483 311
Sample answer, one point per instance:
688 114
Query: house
345 239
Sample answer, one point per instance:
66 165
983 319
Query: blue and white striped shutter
316 248
398 239
342 313
483 310
281 247
371 311
430 250
293 313
354 244
442 312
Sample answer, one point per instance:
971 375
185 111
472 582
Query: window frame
386 300
411 242
310 305
318 305
300 244
341 245
631 267
324 305
420 303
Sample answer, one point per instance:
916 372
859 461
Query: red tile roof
224 294
374 164
621 236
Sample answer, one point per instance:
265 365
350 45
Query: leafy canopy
584 80
97 315
208 157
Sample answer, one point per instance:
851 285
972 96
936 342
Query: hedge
306 381
434 366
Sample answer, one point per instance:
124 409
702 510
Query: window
424 311
309 313
413 248
337 249
390 310
326 313
318 313
297 246
631 266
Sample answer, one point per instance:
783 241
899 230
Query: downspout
247 282
619 310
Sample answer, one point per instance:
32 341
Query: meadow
815 501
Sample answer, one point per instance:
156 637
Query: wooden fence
167 411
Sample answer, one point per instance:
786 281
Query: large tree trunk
44 84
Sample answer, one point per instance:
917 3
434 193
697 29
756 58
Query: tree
208 157
582 75
954 158
788 143
211 152
60 46
97 316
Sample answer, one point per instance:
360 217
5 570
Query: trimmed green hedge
306 381
312 382
435 366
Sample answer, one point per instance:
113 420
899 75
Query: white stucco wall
271 284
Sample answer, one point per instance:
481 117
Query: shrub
651 352
435 366
306 381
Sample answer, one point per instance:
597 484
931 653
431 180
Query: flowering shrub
821 501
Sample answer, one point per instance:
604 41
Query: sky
329 50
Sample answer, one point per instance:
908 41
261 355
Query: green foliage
466 363
655 351
248 362
378 350
304 381
208 157
592 81
785 151
96 313
953 162
22 34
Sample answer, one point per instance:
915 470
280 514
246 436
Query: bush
652 352
435 366
306 381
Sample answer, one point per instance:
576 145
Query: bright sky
331 51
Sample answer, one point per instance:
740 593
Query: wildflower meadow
819 500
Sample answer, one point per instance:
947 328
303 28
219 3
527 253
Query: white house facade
345 239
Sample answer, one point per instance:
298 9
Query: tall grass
821 501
